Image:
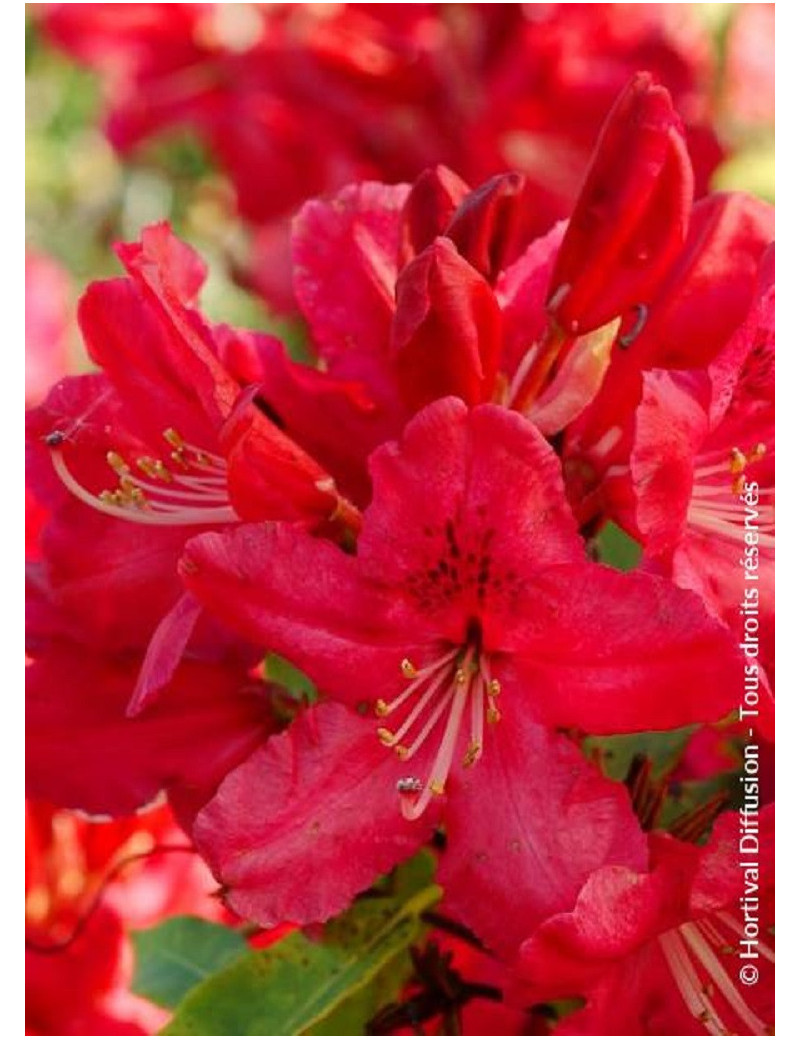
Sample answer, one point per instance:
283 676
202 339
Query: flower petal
478 497
84 753
445 337
345 259
525 827
618 653
311 819
303 598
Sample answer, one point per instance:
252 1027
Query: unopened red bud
631 217
433 200
446 334
485 225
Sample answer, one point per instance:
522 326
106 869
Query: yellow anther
437 788
178 459
126 485
107 497
494 688
385 735
117 463
757 453
492 714
381 708
201 458
471 754
461 676
738 461
401 751
737 484
153 468
408 669
146 465
138 497
171 436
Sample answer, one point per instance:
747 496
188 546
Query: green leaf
616 548
614 754
330 986
278 670
691 794
174 956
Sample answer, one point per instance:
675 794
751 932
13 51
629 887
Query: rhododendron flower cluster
416 522
297 100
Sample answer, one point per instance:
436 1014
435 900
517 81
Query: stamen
408 669
738 929
689 985
727 989
154 468
492 714
171 436
441 664
727 523
204 500
738 461
434 717
443 687
444 757
475 747
117 463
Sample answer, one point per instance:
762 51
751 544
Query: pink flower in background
47 319
749 80
305 98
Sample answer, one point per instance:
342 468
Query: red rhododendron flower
659 954
701 303
439 309
469 580
632 215
414 327
170 423
176 396
704 473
